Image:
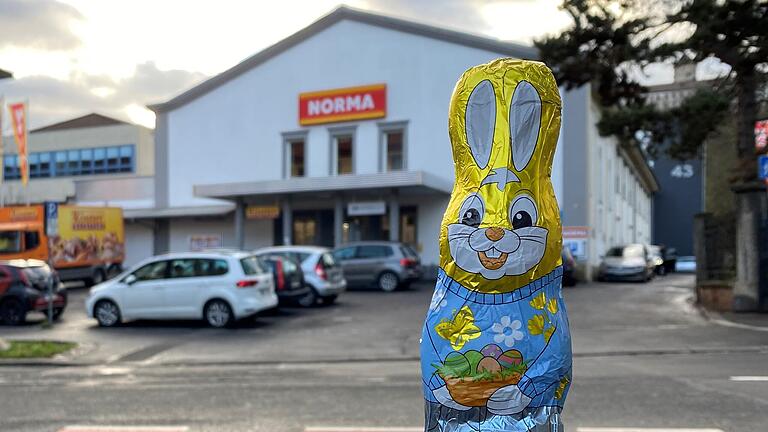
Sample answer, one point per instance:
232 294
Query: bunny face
501 229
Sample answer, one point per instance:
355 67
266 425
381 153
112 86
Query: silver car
321 272
386 265
631 262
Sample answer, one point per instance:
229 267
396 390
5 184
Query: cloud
52 100
39 24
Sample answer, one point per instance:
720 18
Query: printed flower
438 300
539 301
536 324
507 331
552 306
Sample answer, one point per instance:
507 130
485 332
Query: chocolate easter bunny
495 347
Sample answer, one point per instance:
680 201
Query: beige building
90 160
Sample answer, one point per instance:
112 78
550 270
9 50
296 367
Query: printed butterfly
460 330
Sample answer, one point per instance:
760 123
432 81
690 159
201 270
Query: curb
718 319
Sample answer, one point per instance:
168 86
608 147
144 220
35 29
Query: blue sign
762 167
51 218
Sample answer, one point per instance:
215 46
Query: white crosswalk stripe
634 429
749 378
98 428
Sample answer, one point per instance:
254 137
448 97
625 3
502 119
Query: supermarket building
335 134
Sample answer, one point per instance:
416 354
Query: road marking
78 428
749 378
361 429
631 429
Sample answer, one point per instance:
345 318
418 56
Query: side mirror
130 279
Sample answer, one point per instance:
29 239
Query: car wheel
388 281
218 314
12 312
308 300
329 300
107 313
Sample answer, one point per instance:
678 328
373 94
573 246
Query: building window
342 151
392 146
296 158
294 154
343 154
115 159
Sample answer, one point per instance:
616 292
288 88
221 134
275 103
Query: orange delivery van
81 243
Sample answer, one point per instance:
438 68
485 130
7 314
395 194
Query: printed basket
475 393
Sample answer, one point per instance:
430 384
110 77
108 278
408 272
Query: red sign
19 123
575 232
761 134
351 103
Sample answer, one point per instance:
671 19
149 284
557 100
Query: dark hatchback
24 288
288 277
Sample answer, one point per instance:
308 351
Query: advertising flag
2 149
19 123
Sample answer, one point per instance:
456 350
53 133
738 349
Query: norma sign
351 103
367 208
262 212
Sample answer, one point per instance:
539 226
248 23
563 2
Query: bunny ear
524 123
480 122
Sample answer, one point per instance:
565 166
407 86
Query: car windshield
327 260
408 251
631 251
251 265
10 241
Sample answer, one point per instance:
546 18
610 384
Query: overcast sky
73 57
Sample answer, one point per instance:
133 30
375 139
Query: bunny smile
492 259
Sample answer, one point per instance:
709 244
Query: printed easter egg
474 358
491 350
489 364
510 358
456 365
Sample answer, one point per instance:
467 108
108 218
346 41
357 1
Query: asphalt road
644 358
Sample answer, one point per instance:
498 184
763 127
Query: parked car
218 287
322 274
288 277
670 258
657 259
629 262
24 287
569 267
686 264
385 265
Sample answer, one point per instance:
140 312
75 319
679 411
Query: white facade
223 144
234 133
607 187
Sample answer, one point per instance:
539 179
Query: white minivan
219 287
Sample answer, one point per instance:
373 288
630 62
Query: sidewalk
746 320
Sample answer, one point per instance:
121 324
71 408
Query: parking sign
762 167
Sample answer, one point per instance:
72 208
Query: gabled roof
88 120
5 74
346 13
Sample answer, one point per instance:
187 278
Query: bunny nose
494 233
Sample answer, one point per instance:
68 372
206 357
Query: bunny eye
524 123
480 122
472 210
523 212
